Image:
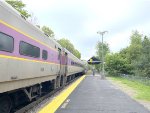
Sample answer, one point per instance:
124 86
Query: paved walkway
94 95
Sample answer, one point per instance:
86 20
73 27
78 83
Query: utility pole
102 33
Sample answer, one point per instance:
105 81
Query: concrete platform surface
94 95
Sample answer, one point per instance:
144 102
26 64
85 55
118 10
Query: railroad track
31 105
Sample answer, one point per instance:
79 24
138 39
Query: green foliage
142 91
99 49
77 53
48 31
66 44
116 64
134 60
135 47
69 46
143 66
139 54
99 53
19 6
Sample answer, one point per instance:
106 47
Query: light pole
102 33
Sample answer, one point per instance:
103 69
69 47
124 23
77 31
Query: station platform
96 95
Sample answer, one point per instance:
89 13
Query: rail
38 101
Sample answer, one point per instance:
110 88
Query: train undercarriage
12 100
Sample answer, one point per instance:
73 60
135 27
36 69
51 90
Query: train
31 63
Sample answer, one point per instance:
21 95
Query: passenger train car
31 63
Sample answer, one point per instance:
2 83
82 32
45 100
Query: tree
99 49
48 31
124 54
116 64
19 6
69 46
135 47
77 53
135 51
143 66
99 53
66 44
133 60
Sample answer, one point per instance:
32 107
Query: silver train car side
31 63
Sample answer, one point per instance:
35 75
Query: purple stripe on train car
20 37
52 55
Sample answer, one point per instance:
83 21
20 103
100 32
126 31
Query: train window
29 50
44 55
6 43
72 63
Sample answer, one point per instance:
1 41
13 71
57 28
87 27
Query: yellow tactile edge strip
54 105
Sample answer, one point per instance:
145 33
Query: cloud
79 20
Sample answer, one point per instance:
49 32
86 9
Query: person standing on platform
93 70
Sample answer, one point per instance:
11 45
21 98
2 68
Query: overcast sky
79 21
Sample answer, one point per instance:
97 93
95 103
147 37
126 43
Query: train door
60 60
60 67
66 63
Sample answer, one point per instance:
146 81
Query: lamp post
102 33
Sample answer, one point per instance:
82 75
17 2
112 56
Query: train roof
9 8
16 13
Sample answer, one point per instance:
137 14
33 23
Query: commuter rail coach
31 63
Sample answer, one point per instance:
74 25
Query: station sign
94 60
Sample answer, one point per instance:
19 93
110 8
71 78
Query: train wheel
5 104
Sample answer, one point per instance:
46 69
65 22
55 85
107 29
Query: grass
142 91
